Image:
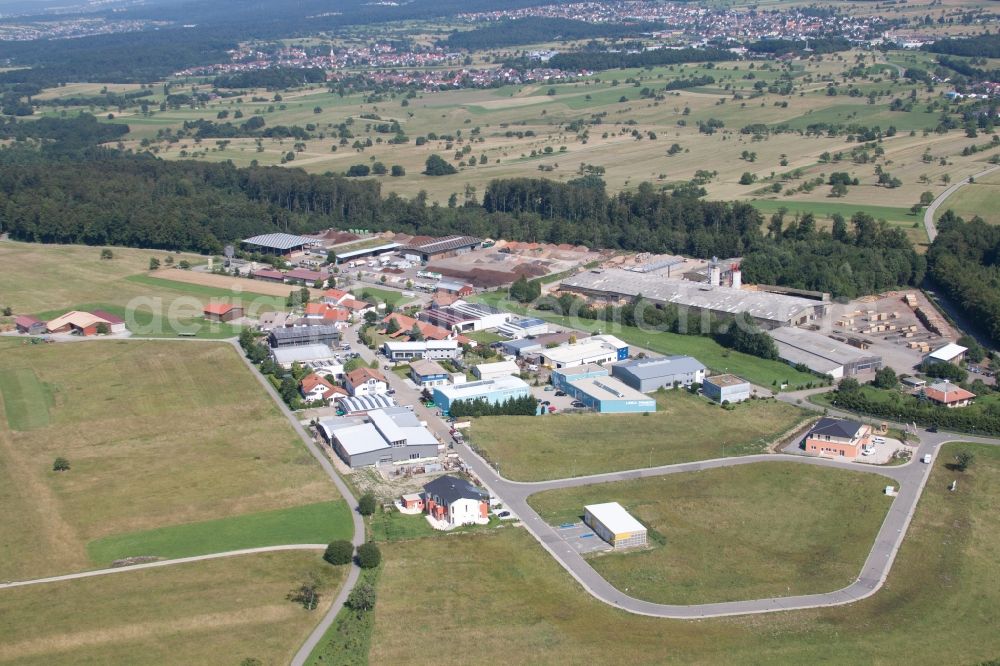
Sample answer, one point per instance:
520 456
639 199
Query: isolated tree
306 593
885 379
103 329
362 598
107 254
60 464
369 556
154 263
367 504
339 552
397 170
964 460
8 311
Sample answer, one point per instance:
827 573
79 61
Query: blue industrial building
494 391
594 387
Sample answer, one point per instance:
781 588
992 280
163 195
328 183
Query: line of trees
536 30
599 60
523 406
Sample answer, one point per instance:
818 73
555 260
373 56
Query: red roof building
947 394
222 312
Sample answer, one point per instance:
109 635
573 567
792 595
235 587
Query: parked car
549 388
546 403
503 514
560 394
577 403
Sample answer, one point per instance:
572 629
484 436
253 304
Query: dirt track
238 285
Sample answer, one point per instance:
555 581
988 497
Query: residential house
841 438
366 381
317 387
455 502
336 296
948 395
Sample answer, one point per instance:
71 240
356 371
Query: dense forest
81 130
599 60
817 44
64 193
983 46
964 260
539 30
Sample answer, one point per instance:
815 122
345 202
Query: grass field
769 374
322 522
219 611
718 535
158 434
979 198
390 296
26 400
684 428
74 277
938 605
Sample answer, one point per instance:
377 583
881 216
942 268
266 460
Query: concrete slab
583 539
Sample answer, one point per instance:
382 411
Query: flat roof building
767 309
596 349
651 374
597 390
726 388
398 350
285 356
494 391
822 354
615 525
522 328
495 370
303 335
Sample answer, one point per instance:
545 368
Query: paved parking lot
561 403
583 539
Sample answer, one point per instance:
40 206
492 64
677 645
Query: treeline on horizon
964 260
601 60
101 196
541 29
982 46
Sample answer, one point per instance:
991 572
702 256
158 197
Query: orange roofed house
452 502
366 381
840 438
949 395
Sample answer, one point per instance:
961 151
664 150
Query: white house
366 381
452 502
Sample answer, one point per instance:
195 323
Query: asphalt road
909 479
932 209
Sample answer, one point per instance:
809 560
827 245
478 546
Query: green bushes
339 552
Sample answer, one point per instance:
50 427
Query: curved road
932 209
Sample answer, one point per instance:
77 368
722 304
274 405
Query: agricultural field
74 277
160 437
685 427
630 142
938 576
718 535
217 611
979 198
759 371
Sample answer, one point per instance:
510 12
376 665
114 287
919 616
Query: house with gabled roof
948 395
366 381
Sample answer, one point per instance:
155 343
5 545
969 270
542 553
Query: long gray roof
651 368
653 286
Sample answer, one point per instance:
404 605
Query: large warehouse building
651 374
822 354
595 349
425 249
494 391
615 525
386 435
768 310
461 317
595 388
280 244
